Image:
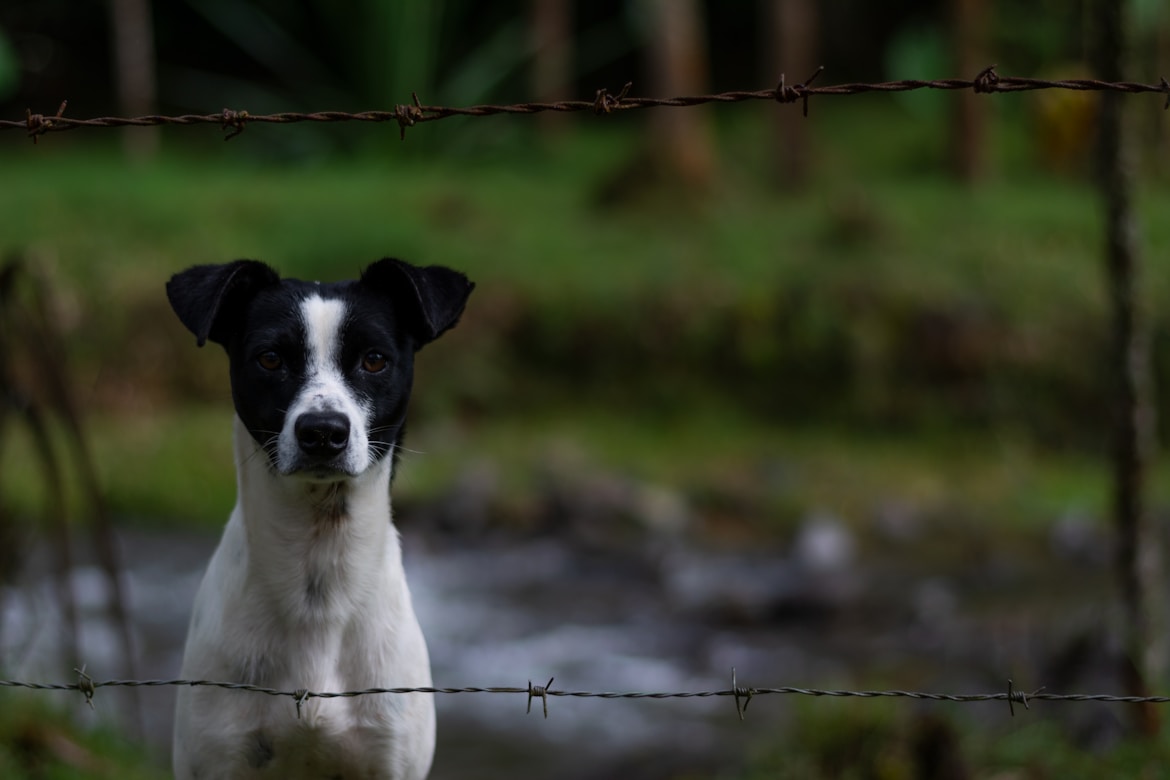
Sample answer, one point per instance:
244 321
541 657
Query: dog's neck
318 551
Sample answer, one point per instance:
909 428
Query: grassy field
885 310
38 741
885 740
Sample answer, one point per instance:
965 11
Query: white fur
306 590
325 389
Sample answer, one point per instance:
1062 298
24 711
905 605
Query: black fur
393 309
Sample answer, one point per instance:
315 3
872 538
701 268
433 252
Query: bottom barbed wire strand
88 687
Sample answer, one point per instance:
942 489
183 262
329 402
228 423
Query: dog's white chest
289 604
336 738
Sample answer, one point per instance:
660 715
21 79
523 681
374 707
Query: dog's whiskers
269 447
380 449
390 446
400 448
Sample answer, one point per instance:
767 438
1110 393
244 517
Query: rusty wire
604 102
742 695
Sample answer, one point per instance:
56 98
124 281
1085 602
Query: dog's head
320 373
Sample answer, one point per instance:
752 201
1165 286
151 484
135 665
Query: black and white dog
306 589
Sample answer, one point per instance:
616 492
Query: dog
306 589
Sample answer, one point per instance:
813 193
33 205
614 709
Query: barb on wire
605 103
541 692
233 123
744 692
408 115
785 94
987 81
85 685
300 696
38 124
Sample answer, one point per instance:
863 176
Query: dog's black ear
209 298
432 298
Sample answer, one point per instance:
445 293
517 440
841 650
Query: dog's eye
374 362
270 361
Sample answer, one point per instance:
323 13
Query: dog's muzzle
322 438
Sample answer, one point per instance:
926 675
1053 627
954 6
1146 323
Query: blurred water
495 615
506 611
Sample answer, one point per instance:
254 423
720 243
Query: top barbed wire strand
604 102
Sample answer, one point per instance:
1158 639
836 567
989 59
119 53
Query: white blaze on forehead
323 318
325 388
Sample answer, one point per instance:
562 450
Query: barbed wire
742 695
604 102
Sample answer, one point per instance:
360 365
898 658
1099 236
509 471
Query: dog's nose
322 433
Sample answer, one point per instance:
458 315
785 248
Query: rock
898 521
1077 537
935 603
729 588
663 511
606 510
824 544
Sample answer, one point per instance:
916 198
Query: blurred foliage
1056 32
40 741
9 68
883 740
268 56
880 297
916 50
884 301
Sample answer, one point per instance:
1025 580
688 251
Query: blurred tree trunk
552 44
134 74
1137 544
791 49
1161 138
968 130
681 141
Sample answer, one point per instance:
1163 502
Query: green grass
174 468
527 223
884 739
775 475
689 339
527 228
39 742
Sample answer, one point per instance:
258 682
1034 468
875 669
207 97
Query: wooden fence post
1138 546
